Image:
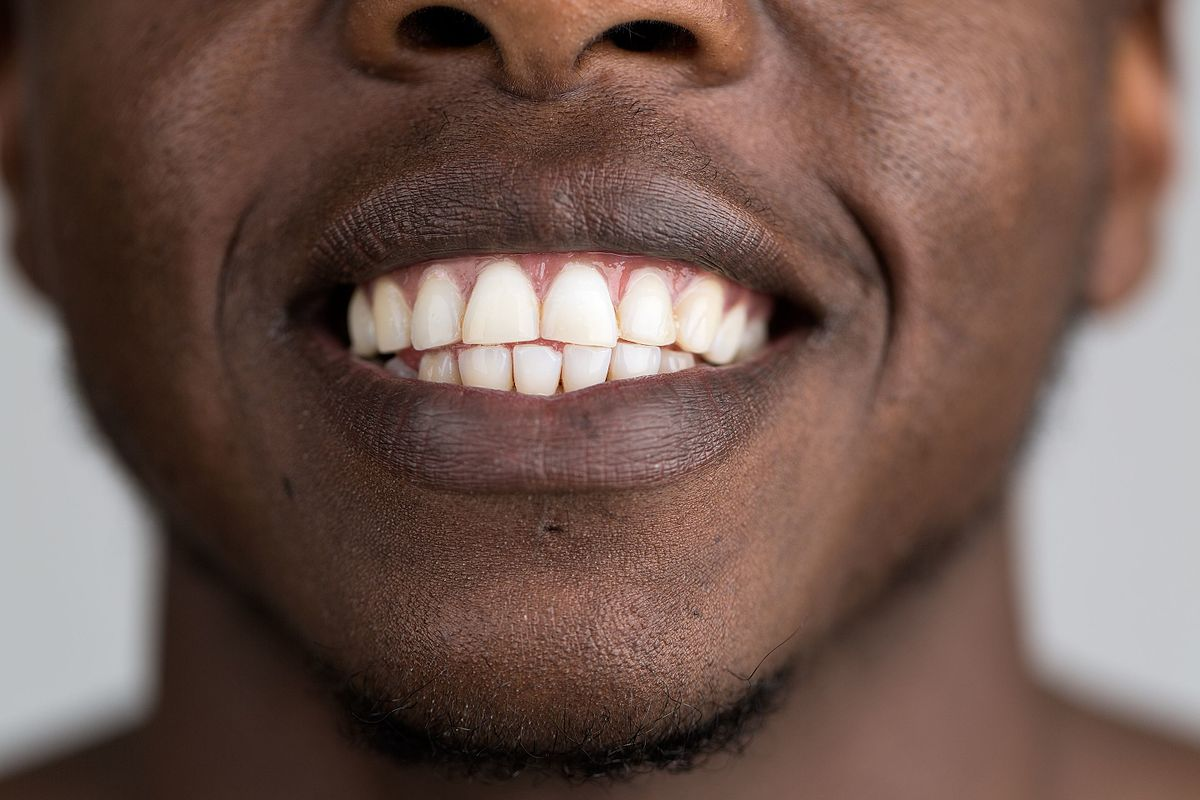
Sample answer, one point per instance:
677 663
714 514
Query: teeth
361 323
578 308
675 361
439 367
392 316
698 315
645 313
536 369
503 307
571 340
584 366
754 339
634 361
486 368
728 338
437 313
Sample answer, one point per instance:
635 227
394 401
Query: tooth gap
442 28
332 313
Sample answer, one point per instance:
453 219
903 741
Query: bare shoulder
102 770
1103 756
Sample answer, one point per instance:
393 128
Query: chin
586 722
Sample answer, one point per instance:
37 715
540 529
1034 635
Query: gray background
1110 556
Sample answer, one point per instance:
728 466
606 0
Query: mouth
547 324
626 354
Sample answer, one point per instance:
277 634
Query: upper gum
542 268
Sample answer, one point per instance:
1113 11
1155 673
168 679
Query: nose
543 47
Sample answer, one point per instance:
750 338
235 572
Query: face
236 206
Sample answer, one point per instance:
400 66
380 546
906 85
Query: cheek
977 200
141 168
981 175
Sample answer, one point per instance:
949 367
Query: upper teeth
393 319
503 307
362 325
645 312
578 308
437 313
591 329
698 314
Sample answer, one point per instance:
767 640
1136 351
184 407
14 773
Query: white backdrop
1110 555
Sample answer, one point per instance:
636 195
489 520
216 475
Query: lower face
381 364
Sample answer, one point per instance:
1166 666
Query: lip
621 435
420 217
618 435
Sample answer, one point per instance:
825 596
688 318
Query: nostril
651 36
442 27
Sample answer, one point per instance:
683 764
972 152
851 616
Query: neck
928 699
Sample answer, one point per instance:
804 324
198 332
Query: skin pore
788 578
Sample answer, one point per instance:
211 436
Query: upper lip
479 208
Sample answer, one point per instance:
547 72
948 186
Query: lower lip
620 435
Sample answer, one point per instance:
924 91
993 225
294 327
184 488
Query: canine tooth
398 367
675 361
645 312
502 308
634 361
729 336
437 313
754 339
578 308
536 369
698 314
361 323
486 368
584 366
393 317
439 367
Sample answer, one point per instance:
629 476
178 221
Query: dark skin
937 188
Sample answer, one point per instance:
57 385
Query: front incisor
503 307
584 366
578 308
486 368
536 369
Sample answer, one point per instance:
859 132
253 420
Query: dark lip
634 434
619 436
466 209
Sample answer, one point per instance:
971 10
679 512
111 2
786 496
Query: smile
543 324
648 335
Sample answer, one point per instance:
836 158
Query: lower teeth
539 369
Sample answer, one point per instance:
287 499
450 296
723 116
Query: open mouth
655 330
546 324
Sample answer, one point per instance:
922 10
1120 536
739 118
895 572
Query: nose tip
541 47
